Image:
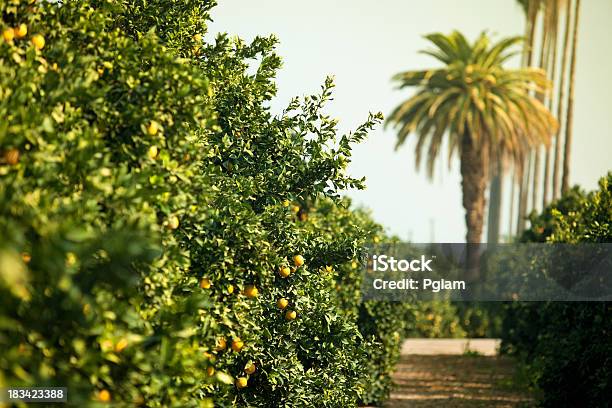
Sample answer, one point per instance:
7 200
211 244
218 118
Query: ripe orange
296 209
153 128
250 368
38 41
241 382
205 283
298 260
104 396
282 303
21 31
284 271
221 344
290 315
250 291
210 371
8 35
121 345
11 157
237 344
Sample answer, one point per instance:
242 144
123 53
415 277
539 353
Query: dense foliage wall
566 345
164 239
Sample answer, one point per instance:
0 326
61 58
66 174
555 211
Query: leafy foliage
566 346
149 201
473 94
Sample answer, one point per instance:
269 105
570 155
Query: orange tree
565 346
155 246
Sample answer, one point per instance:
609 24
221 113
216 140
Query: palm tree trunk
495 195
552 62
570 105
536 178
532 14
560 106
512 203
473 184
523 195
544 65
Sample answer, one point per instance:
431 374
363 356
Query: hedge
565 346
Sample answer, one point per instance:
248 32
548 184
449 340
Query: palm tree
565 47
485 111
569 121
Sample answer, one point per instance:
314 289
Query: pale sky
363 43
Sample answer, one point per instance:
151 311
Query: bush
149 205
566 346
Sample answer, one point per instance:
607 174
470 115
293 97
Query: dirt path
442 375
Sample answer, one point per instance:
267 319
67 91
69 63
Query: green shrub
566 345
148 202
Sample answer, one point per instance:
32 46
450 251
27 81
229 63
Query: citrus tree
565 345
155 241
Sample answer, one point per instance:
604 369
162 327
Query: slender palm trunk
536 151
523 193
532 14
495 195
552 52
536 178
512 200
569 122
473 184
560 105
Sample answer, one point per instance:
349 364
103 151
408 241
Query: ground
455 373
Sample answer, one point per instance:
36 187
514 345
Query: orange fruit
210 371
21 31
282 303
121 345
153 128
241 382
8 34
11 157
284 272
104 396
250 368
290 315
250 291
221 344
237 344
205 283
38 41
298 260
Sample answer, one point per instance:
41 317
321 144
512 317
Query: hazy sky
363 43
